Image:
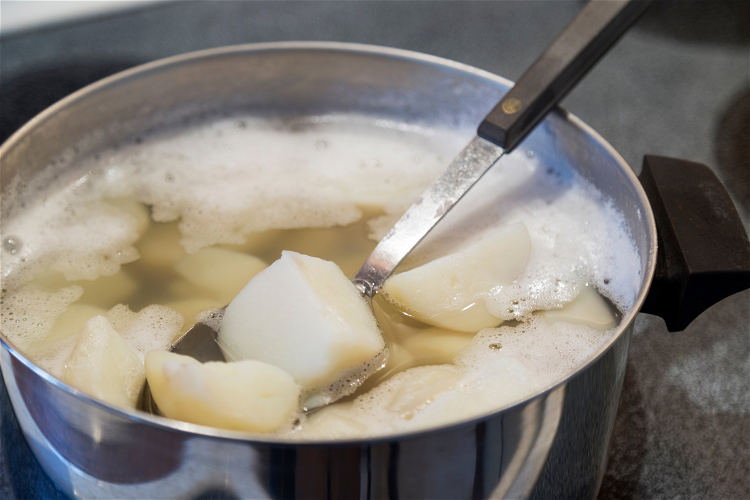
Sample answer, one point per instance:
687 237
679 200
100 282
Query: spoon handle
594 30
560 67
463 172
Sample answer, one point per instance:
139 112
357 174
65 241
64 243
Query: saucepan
553 444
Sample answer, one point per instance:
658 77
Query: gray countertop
676 85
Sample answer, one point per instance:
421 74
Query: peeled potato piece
160 246
245 396
134 208
449 291
334 422
100 293
436 345
588 308
419 386
506 379
108 290
104 366
303 315
52 356
50 280
222 272
72 321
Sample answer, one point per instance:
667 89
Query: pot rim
353 48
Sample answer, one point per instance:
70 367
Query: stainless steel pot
552 445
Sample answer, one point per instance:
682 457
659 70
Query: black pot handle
704 253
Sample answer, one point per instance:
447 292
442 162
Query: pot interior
310 79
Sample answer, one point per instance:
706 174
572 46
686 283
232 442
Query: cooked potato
450 291
303 315
104 366
246 395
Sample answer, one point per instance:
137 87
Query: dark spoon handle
593 31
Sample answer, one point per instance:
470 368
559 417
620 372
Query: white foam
548 350
314 177
29 312
152 328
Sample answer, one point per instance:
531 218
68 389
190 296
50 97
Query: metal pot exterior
552 445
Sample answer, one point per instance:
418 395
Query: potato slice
72 321
449 291
52 355
436 345
588 308
50 279
223 273
104 366
505 379
134 208
245 396
303 315
160 246
335 422
103 292
418 387
107 291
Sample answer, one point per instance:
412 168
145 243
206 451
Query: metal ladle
578 47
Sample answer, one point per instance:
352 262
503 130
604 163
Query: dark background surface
677 85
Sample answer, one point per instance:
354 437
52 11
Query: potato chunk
449 291
108 290
588 308
335 422
303 315
134 209
104 366
245 396
435 345
419 386
221 272
506 379
72 321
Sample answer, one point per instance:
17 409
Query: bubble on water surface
12 245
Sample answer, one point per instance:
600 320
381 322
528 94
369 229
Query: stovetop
676 85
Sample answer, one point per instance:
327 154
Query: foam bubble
153 328
29 312
548 349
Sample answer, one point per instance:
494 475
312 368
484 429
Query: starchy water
184 219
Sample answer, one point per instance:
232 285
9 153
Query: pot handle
703 249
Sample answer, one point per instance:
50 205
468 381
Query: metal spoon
588 36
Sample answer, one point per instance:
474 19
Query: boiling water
117 232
